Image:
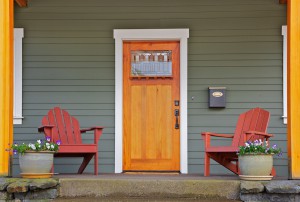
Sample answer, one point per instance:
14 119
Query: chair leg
52 169
87 158
206 165
96 163
273 172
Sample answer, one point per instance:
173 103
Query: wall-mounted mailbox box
217 96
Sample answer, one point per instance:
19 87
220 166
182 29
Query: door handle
177 121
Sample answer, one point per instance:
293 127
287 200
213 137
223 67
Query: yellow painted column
6 83
294 87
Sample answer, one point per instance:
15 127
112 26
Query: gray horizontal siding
68 60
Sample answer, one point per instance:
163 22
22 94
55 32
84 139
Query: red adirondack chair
59 125
251 125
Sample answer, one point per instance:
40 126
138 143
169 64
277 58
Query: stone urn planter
256 166
36 164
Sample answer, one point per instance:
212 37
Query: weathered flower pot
258 166
36 164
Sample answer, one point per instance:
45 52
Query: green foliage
258 147
39 145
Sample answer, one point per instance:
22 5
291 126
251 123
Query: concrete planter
36 164
256 167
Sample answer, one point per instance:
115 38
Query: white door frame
121 35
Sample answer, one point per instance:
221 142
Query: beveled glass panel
151 63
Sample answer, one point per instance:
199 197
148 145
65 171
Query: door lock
177 121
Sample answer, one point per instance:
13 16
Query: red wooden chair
59 125
251 125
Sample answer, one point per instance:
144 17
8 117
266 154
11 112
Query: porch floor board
146 175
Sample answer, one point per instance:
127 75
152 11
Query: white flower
247 145
39 141
52 146
47 145
32 146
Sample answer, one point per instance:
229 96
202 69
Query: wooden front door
150 98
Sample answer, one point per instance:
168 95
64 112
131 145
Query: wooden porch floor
153 176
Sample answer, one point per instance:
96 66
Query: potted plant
36 159
256 160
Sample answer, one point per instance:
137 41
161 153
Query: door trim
121 35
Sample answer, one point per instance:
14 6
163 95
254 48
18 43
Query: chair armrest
47 130
217 135
90 129
97 132
43 128
206 137
258 133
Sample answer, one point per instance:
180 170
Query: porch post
6 83
293 23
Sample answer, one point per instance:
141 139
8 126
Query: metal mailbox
217 96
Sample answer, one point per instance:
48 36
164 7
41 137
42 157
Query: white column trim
18 37
150 34
284 73
119 106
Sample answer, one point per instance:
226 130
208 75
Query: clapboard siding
108 40
200 24
68 60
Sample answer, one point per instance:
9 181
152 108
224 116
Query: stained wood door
151 141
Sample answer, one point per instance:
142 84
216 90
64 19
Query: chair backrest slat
67 128
255 119
262 122
239 129
52 121
76 128
60 126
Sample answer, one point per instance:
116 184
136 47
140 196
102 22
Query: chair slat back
76 128
67 128
256 119
68 124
